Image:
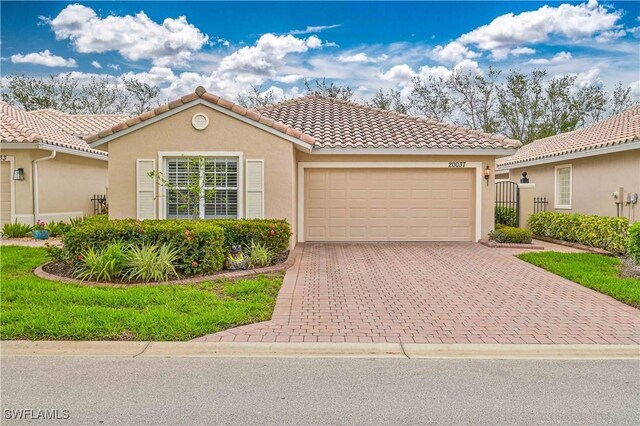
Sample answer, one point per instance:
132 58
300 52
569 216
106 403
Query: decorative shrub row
633 242
202 245
608 233
506 216
509 234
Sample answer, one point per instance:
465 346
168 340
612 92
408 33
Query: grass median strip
597 272
36 309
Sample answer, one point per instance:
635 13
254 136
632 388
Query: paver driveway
434 293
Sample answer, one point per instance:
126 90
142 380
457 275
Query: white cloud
509 31
291 78
612 35
114 67
96 64
135 37
519 51
635 90
399 74
45 58
454 52
589 77
314 29
362 57
557 58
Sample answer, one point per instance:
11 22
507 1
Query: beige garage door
389 204
5 192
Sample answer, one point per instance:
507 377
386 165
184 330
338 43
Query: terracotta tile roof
619 129
325 122
209 97
17 126
342 124
80 125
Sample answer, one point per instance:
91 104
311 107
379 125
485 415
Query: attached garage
402 203
5 192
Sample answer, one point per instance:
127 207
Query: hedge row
633 243
202 244
509 234
506 216
608 233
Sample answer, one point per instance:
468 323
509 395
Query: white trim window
563 184
216 176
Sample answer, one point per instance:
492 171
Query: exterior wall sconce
487 174
524 178
18 174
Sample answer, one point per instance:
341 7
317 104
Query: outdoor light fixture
487 174
18 174
524 178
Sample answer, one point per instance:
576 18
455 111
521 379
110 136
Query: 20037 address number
457 164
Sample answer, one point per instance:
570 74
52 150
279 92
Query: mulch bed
575 245
60 271
629 268
493 244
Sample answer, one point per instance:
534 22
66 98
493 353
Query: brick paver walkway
434 293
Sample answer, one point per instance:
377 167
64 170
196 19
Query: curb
314 350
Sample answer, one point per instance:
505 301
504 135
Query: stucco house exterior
47 171
336 170
594 170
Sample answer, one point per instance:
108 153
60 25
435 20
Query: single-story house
336 170
593 170
46 172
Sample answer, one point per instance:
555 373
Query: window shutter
255 189
146 208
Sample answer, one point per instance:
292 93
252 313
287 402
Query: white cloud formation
399 74
135 37
635 90
454 52
362 57
612 35
115 67
508 32
45 58
557 58
96 64
314 29
519 51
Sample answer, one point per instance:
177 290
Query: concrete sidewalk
315 350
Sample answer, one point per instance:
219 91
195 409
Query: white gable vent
200 121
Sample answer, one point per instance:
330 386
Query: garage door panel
389 205
5 192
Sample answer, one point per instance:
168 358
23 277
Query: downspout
36 198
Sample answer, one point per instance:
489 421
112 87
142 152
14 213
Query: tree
56 92
475 97
561 110
103 96
256 98
391 100
330 90
592 100
432 98
142 96
521 104
197 184
620 99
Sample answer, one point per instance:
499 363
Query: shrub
509 234
633 243
56 229
506 216
151 263
103 264
272 233
200 244
608 233
259 255
16 230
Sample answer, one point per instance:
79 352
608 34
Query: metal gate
507 203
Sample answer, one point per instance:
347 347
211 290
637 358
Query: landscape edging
493 244
229 275
590 249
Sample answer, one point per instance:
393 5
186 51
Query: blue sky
227 47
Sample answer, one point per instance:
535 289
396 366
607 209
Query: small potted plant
236 260
40 231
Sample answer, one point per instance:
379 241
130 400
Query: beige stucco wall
488 192
66 184
224 134
594 180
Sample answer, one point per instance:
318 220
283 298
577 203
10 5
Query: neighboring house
79 125
579 171
336 170
47 173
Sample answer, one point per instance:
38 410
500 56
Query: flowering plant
40 225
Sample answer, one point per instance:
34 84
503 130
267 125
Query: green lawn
600 273
37 309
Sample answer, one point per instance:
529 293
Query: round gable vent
200 121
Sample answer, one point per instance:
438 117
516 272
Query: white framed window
217 176
563 184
